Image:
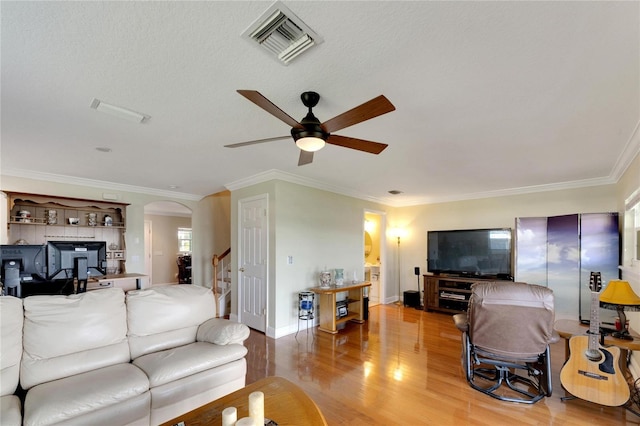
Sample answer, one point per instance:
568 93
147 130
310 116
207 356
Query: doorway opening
374 254
163 245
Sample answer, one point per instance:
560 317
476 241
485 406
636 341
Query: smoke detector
282 33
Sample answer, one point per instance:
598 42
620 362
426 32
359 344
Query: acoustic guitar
592 371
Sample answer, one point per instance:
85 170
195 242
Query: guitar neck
594 322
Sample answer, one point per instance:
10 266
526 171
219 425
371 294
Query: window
184 240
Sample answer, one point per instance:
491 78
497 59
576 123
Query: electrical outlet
289 260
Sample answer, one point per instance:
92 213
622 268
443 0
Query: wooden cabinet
448 294
36 219
124 281
329 316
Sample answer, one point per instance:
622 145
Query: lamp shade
619 292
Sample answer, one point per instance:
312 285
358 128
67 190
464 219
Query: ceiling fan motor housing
311 128
311 125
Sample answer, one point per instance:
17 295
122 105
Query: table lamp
619 296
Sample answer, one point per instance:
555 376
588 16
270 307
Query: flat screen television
30 260
482 253
62 255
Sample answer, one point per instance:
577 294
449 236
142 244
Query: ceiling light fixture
120 112
103 149
311 144
395 192
311 136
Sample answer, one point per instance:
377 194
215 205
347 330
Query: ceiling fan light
310 144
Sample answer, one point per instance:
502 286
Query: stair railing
219 276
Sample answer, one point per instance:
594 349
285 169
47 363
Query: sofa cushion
11 320
68 335
70 397
222 332
177 311
176 363
10 411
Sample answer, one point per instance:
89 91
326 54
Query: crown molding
70 180
585 183
274 174
626 157
408 202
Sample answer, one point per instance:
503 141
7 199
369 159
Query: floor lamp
397 233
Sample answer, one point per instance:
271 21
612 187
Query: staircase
222 283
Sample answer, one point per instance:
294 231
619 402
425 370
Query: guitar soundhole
592 355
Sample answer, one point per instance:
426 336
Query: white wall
322 229
211 234
496 212
319 229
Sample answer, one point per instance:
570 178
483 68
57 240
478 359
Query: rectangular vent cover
282 33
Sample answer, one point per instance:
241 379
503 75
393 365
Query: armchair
506 334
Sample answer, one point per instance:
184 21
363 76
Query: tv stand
449 294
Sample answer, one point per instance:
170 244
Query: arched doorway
165 232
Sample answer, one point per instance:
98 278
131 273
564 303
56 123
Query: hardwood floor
402 367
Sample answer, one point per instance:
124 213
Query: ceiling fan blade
264 103
359 144
306 157
257 141
373 108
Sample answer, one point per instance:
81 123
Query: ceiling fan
310 135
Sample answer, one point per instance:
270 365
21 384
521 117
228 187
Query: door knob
241 269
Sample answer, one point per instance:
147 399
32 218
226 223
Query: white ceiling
491 97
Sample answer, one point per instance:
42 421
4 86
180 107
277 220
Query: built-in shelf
37 219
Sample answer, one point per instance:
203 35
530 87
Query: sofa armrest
222 332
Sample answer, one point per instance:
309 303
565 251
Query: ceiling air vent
282 33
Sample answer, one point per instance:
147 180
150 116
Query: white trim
631 149
390 201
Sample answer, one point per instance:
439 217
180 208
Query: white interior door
252 262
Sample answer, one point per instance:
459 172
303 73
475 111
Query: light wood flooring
402 367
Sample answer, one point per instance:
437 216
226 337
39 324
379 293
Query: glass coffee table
284 403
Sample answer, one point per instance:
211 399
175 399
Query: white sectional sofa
11 320
106 358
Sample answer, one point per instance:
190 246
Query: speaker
416 270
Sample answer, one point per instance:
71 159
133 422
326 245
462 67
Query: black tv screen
61 257
483 253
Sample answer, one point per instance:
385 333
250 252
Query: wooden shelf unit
447 293
36 229
327 298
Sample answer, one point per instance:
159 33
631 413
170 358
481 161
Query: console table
327 297
566 329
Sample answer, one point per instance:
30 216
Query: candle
229 416
245 421
256 407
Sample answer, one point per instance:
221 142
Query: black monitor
32 259
76 259
21 264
